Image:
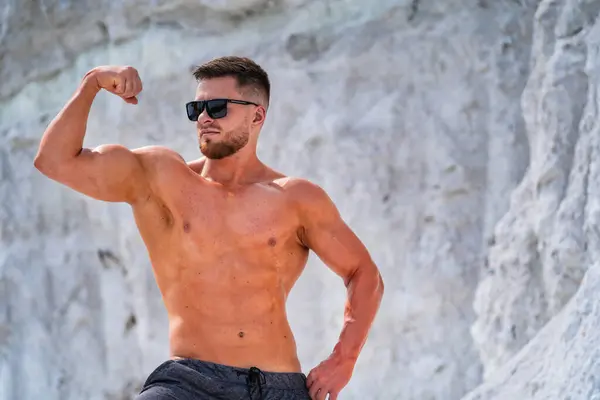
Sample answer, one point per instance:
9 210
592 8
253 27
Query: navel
272 241
241 334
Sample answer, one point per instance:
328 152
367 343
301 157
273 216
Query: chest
256 217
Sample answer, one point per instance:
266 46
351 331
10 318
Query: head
246 87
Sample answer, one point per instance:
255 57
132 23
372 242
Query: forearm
63 139
365 290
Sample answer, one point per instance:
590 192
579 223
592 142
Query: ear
259 115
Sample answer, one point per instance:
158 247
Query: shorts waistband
244 376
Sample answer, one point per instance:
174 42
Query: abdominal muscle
239 320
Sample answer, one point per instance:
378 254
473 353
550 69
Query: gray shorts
191 379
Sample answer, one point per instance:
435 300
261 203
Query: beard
229 143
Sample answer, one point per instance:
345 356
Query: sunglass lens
217 108
194 109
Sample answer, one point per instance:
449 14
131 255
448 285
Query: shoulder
153 156
197 165
162 166
308 196
300 186
157 152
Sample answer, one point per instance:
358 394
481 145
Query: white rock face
451 135
562 361
545 243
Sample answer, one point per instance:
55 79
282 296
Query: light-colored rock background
458 138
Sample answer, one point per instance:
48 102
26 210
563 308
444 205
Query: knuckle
131 71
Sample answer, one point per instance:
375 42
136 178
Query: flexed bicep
108 172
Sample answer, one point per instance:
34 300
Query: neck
233 170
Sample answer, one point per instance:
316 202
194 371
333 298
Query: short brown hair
246 72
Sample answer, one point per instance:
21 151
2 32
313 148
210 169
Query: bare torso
225 260
225 255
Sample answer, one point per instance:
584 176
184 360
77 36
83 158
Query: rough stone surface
562 361
451 134
544 244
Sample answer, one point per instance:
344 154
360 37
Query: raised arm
325 232
108 172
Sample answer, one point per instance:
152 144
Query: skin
227 237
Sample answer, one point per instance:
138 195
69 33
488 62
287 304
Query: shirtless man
227 237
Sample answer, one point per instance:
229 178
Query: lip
208 133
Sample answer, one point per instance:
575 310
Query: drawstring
255 378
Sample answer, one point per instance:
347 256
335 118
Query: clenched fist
123 81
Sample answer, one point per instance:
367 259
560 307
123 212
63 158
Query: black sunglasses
215 108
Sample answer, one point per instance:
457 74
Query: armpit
301 236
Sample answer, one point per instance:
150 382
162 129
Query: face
222 137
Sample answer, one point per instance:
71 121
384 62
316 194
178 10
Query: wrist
345 353
89 81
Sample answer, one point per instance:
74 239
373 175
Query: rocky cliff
458 139
548 241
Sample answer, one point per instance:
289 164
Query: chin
216 151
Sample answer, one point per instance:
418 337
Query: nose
204 118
